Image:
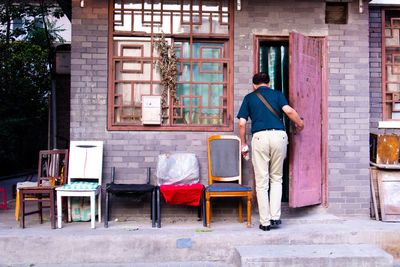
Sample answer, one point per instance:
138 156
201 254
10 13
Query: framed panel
200 32
306 79
389 196
391 64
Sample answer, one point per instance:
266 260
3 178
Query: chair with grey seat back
225 174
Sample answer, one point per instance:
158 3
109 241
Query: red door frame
324 105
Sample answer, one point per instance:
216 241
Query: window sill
389 125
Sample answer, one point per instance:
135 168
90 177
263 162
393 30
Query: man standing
268 145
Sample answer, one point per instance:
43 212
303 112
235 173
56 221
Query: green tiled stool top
81 186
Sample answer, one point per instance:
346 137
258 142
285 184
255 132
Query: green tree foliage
37 34
25 82
26 55
33 17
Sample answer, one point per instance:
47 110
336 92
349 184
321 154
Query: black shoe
276 222
265 228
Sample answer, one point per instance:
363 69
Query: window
200 31
336 13
391 64
17 24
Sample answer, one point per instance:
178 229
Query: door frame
257 39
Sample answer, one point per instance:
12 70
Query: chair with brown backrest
225 174
52 173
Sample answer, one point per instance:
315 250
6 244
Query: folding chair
84 177
225 174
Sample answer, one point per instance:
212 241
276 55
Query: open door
305 96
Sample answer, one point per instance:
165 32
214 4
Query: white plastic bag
177 168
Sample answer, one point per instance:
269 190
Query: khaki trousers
268 153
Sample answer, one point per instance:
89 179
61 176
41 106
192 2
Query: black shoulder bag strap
268 105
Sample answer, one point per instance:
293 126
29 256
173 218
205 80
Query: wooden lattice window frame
390 98
141 63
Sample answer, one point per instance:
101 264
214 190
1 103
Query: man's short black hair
260 77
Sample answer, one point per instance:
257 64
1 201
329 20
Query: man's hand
245 151
244 148
294 117
300 126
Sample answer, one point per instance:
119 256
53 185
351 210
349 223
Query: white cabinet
151 109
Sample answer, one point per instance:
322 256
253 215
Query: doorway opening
296 65
273 58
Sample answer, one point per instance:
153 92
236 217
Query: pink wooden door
305 96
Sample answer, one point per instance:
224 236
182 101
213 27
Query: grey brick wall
130 152
348 112
375 57
348 80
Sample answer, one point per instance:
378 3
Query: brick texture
348 116
348 97
375 58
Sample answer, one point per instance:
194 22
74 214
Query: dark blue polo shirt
261 117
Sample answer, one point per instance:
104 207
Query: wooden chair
52 173
178 181
130 190
84 177
225 174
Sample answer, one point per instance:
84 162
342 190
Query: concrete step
180 242
132 264
322 255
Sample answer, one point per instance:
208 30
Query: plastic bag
177 168
80 209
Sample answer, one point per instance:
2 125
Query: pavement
181 241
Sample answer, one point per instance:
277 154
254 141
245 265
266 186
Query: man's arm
242 131
293 116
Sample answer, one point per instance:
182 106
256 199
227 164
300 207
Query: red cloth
189 195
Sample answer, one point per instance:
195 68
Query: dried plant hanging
167 65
